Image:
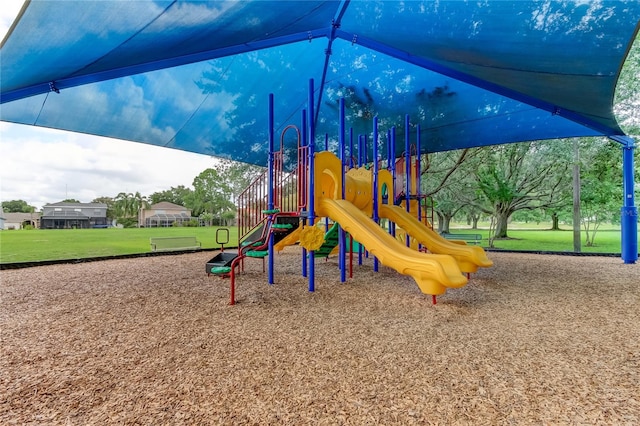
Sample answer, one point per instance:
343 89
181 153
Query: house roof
77 205
165 205
196 76
20 217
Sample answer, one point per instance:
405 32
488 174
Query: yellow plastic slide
432 272
469 258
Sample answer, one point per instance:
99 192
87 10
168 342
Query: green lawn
55 244
606 241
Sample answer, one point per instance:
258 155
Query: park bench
174 243
474 239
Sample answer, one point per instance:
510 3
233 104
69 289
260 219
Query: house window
57 209
77 210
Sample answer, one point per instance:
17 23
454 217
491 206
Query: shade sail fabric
196 76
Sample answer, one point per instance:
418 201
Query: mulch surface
536 339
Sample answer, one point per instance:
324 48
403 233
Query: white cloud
42 166
8 13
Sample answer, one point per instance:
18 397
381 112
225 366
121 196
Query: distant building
74 215
1 218
19 220
163 214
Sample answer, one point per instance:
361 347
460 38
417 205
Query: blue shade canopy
196 76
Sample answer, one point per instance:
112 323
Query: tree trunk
501 224
474 221
577 243
446 219
440 222
555 219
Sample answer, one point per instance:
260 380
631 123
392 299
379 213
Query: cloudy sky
43 166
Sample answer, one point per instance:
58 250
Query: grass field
55 244
42 245
607 241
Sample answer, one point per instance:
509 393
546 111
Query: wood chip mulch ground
536 339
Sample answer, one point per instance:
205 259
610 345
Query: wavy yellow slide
469 258
432 272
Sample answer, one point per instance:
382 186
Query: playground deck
535 339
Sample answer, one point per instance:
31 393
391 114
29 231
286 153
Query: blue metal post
407 169
392 191
311 204
393 156
270 193
628 212
303 142
360 159
374 190
343 162
326 148
365 151
389 149
351 156
418 192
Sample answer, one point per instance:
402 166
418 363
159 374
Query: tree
176 195
211 194
17 206
207 218
446 207
600 191
520 176
442 177
627 98
126 207
228 217
109 202
71 200
216 190
238 176
443 170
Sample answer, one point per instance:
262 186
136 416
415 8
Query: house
1 218
20 220
65 215
163 214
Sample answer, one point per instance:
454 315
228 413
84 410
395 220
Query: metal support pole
351 156
304 170
628 212
418 191
392 191
343 162
407 171
326 148
311 203
360 159
270 204
374 190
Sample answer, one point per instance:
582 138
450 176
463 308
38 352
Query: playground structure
282 208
